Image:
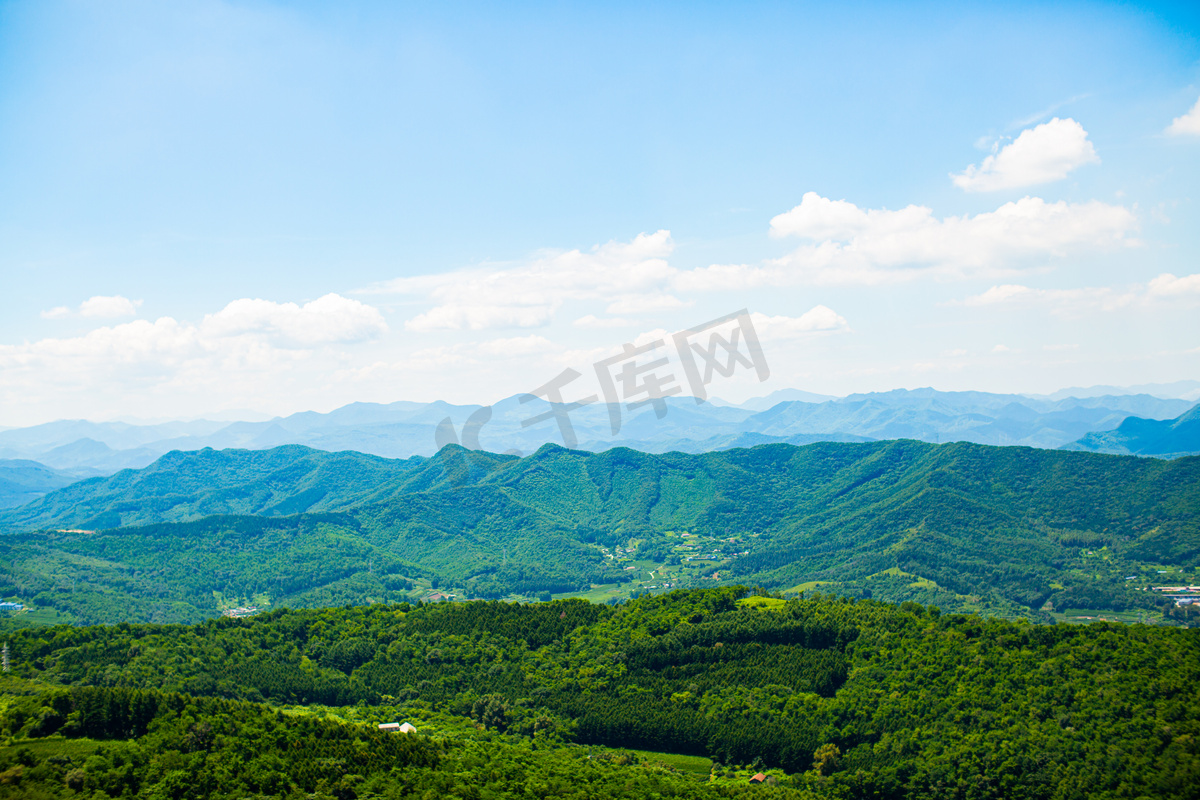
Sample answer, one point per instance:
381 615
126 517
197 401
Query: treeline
116 742
901 701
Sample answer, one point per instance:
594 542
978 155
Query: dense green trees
886 701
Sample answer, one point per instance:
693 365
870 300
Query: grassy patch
1086 615
765 603
75 749
40 615
808 586
695 765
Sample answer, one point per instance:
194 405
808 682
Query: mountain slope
182 486
1147 437
1006 530
23 481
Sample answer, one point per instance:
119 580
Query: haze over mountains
404 429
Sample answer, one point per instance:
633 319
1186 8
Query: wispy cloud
629 277
1045 112
1072 302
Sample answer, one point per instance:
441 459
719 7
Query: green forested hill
838 698
1013 531
188 485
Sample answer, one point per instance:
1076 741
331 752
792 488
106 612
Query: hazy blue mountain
780 396
1185 390
23 481
404 429
116 435
97 456
1147 437
979 417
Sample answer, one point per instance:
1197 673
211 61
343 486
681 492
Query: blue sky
214 205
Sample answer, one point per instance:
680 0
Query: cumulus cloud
848 245
331 319
631 277
98 307
1186 125
1046 153
250 345
853 245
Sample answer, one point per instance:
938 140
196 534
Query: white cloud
109 307
1091 298
631 277
592 321
1046 153
1186 125
723 277
1000 348
819 319
871 246
98 307
850 245
998 294
516 346
331 319
1063 302
821 218
1167 284
245 351
642 303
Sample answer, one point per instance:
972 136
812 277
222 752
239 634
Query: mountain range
22 481
1006 530
403 429
1147 437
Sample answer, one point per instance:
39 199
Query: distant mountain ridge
404 429
1147 437
23 481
